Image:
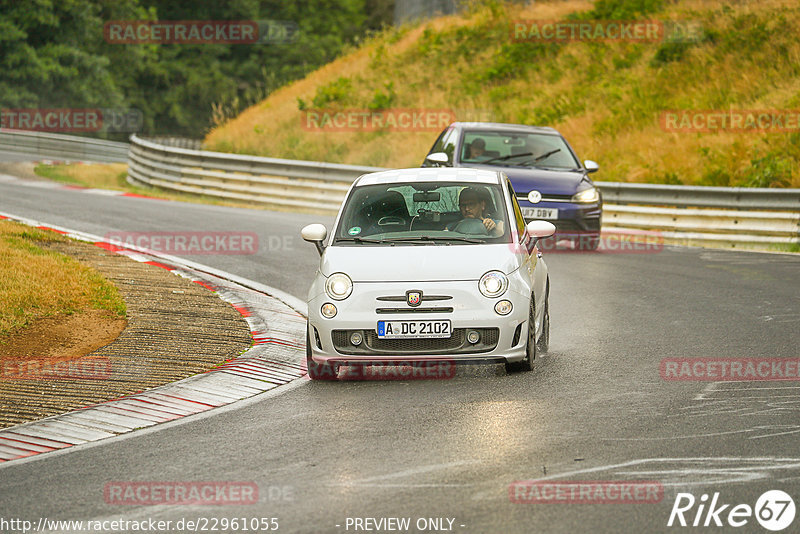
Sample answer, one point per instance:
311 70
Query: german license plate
540 213
413 329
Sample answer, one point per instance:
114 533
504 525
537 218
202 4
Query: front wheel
530 347
318 371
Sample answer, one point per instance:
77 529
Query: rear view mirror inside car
427 196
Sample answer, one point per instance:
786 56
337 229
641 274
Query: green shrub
337 91
669 52
772 170
381 100
621 9
716 176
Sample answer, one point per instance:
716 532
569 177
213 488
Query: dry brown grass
39 283
607 97
99 175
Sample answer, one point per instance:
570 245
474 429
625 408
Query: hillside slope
608 97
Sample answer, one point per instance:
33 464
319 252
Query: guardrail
749 198
44 145
717 216
739 217
271 181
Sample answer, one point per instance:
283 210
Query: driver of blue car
473 208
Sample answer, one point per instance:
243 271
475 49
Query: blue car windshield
516 149
424 213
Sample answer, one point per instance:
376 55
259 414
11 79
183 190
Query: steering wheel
471 226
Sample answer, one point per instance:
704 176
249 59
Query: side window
447 144
520 220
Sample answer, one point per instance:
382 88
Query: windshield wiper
503 158
530 165
431 238
546 155
360 240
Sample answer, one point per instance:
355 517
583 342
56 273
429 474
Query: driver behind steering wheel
473 206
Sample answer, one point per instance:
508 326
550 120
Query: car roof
431 174
499 126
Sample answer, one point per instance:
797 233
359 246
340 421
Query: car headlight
338 286
586 196
493 284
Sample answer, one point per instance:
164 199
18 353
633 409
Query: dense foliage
53 54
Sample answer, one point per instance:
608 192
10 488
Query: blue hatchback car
549 180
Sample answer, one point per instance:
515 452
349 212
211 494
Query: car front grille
455 344
549 198
415 309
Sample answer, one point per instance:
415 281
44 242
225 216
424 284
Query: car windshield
516 149
423 214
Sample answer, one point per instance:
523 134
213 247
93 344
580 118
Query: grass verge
39 283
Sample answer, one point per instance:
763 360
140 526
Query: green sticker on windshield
354 230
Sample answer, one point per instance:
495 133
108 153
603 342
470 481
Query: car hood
543 180
418 263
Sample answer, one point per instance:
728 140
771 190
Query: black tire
318 371
530 346
544 338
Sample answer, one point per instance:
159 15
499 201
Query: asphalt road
594 409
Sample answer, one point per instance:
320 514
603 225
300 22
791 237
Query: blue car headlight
587 196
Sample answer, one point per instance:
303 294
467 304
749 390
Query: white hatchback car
433 264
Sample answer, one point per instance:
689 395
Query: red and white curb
47 184
277 324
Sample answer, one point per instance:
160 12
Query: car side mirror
539 229
438 157
315 233
591 166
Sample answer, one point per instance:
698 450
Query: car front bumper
502 338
